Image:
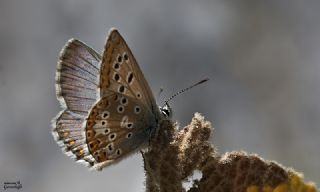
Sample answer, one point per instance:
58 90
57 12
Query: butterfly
109 111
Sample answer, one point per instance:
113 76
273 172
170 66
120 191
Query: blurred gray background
262 58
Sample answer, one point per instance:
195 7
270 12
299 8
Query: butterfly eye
166 111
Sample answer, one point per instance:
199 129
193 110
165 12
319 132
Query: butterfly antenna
184 90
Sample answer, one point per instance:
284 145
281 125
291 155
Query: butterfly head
166 111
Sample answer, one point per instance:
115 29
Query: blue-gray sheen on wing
77 91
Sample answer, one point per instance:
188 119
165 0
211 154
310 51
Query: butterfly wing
121 79
121 73
77 91
117 126
102 131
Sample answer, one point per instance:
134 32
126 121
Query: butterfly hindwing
117 126
77 91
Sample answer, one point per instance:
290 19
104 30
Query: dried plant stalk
174 155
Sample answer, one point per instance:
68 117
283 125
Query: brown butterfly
109 110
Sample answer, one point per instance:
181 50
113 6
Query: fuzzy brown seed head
174 155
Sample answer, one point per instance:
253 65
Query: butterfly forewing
117 60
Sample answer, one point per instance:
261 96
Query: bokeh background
262 58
